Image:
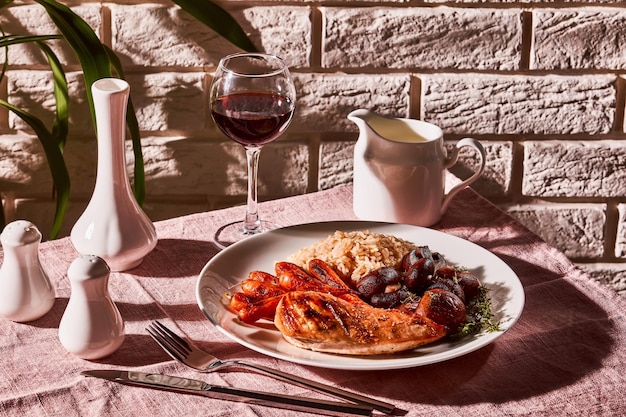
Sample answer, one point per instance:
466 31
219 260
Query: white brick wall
540 83
417 37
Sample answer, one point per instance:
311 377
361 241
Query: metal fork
190 355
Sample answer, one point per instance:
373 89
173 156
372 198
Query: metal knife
195 387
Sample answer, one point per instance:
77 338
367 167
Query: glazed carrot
262 309
260 289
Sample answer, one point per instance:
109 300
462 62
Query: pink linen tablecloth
566 355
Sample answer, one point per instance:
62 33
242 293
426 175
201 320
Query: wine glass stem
252 223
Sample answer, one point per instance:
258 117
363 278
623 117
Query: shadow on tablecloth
165 259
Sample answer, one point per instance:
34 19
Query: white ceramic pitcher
399 169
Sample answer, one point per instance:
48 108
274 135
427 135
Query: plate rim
393 361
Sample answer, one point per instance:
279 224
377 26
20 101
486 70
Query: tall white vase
113 226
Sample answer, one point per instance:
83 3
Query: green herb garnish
479 315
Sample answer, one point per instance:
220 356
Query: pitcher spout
361 115
361 118
394 129
376 130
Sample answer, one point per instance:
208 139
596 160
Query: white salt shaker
91 326
26 293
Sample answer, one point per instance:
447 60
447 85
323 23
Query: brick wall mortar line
620 108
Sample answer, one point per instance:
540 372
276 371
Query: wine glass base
234 232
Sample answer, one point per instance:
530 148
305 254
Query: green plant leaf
60 176
219 20
8 40
60 127
96 62
52 142
60 130
89 50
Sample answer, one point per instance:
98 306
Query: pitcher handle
472 143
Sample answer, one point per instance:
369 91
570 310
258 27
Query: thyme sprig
479 315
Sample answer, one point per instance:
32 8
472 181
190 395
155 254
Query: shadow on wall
184 176
164 102
182 41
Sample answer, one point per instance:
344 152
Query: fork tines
173 344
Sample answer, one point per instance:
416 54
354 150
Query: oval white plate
224 272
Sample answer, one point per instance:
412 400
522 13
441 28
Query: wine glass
252 100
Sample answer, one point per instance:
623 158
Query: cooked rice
354 254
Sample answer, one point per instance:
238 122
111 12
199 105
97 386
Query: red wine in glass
252 118
252 100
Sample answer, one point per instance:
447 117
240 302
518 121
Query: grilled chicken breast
326 323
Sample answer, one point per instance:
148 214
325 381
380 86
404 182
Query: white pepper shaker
26 293
91 326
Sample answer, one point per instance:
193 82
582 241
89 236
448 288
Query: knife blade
196 387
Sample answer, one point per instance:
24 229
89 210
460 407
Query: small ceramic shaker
25 291
91 326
